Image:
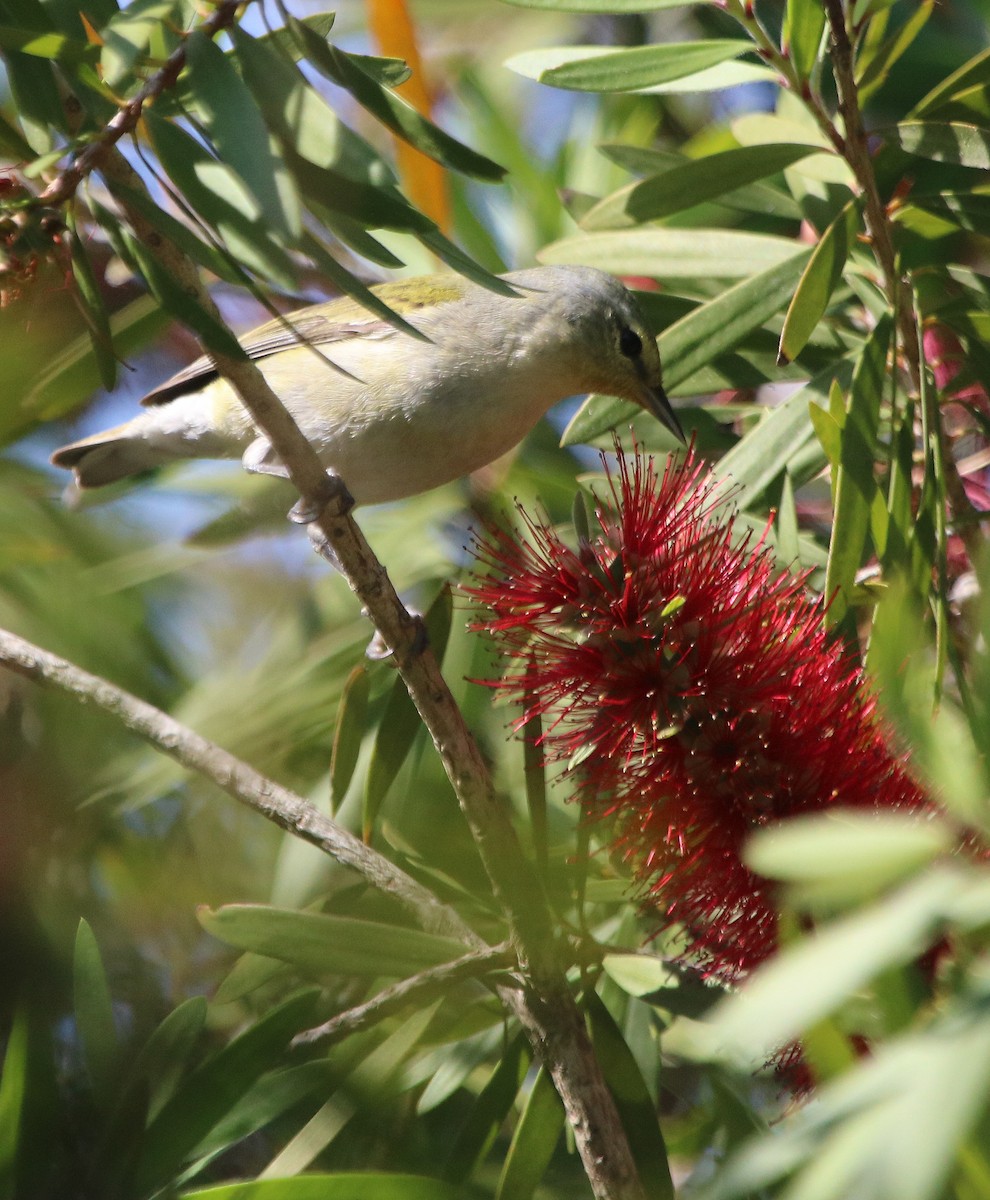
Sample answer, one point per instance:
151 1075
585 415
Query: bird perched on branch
392 414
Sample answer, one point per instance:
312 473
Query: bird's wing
316 328
334 321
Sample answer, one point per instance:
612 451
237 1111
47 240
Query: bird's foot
307 510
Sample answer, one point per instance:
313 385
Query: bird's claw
306 510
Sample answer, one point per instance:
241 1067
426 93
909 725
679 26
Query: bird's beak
654 400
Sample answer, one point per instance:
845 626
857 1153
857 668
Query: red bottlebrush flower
692 691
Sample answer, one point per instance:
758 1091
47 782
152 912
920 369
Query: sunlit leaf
600 69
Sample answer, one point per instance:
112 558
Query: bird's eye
630 343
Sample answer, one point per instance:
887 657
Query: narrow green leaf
162 1059
127 36
94 1015
788 533
401 722
693 182
92 307
533 1142
843 856
393 112
235 126
71 378
51 45
780 438
945 142
205 1096
816 285
973 73
670 254
355 1185
690 343
608 7
352 715
177 302
600 69
811 979
299 115
223 201
180 234
855 485
488 1113
873 76
13 1093
801 37
321 945
637 1110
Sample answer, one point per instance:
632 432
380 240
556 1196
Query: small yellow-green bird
402 415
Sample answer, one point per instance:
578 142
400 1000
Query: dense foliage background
801 193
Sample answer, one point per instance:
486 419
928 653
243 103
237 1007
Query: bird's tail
111 455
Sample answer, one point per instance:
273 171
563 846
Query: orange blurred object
424 180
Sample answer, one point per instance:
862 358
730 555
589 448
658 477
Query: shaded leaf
235 126
348 735
488 1113
948 142
817 283
94 1014
533 1141
320 944
692 182
801 36
208 1093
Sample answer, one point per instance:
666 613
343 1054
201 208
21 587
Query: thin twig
418 987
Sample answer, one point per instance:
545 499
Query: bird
391 414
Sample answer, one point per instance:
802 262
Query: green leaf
670 254
488 1113
600 69
812 978
843 856
778 441
608 7
47 45
126 38
354 1185
637 1110
693 182
816 285
300 116
94 1015
92 307
973 73
320 945
235 126
177 302
13 1095
533 1142
801 36
873 74
162 1059
347 71
352 716
214 190
180 234
945 142
71 377
206 1096
708 331
400 722
855 485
